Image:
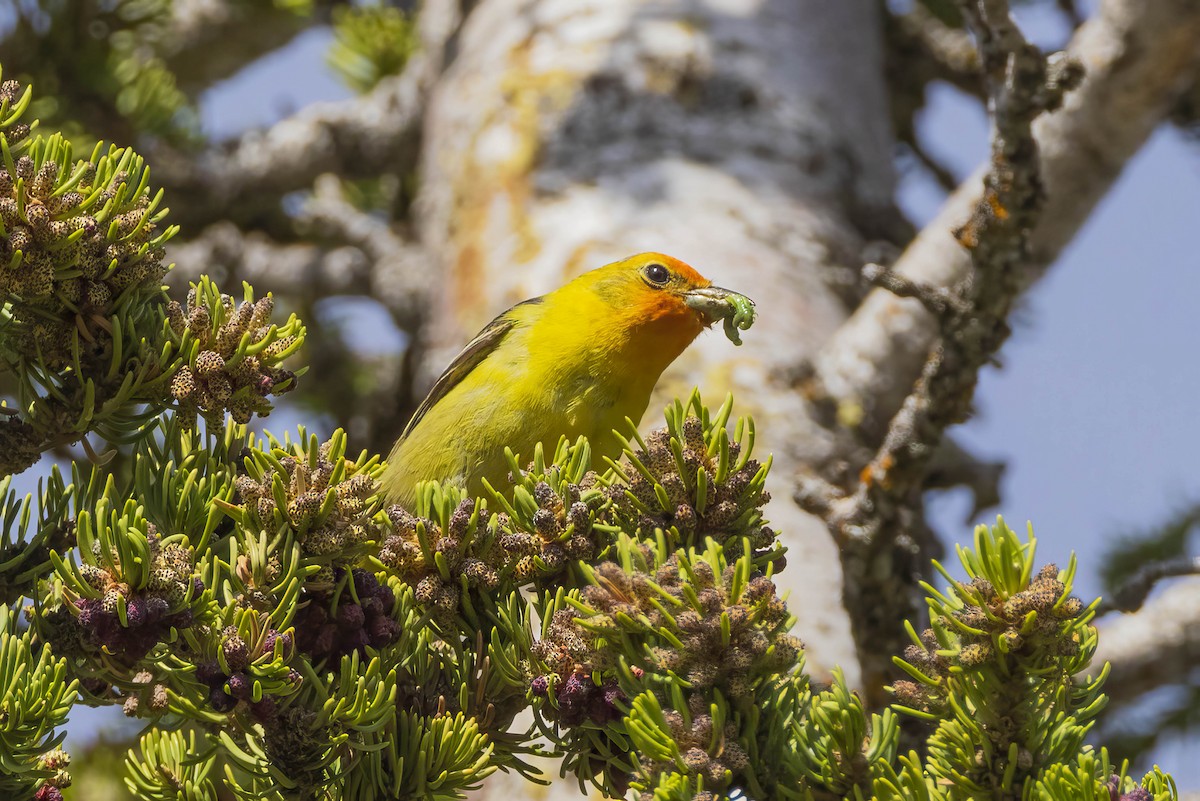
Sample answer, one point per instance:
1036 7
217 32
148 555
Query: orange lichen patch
993 201
876 473
468 282
488 189
530 96
967 235
991 209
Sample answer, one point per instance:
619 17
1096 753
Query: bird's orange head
654 289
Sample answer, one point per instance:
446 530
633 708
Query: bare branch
1156 647
950 49
1140 55
937 301
229 256
952 466
1186 113
377 133
1130 596
1071 11
394 275
921 49
364 137
939 172
210 40
881 519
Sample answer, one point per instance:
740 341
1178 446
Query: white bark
739 135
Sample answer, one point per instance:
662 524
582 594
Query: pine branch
375 134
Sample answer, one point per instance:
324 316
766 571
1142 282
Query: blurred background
399 174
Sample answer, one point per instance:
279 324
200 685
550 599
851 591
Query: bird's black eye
658 274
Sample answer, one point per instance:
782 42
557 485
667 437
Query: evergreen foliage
285 633
371 42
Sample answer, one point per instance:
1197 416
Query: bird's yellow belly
467 447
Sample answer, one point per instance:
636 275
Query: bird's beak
712 302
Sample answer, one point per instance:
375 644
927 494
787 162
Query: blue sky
1094 407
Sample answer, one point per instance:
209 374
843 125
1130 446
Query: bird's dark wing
467 360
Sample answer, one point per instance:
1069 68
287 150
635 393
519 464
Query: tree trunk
747 137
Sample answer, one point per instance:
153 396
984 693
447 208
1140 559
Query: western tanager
576 361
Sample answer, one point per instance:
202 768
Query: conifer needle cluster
285 634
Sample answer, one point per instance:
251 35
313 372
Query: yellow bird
576 361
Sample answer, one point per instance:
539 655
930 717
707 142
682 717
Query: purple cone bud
48 792
220 700
575 684
325 640
383 631
351 616
101 625
603 706
355 640
364 582
240 686
135 612
156 608
386 598
88 612
1136 794
573 696
210 673
540 686
138 642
